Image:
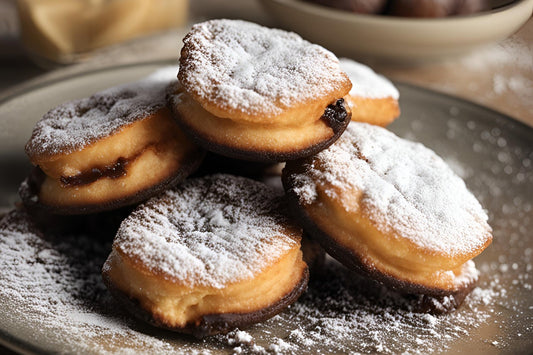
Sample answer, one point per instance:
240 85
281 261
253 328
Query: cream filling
177 304
389 254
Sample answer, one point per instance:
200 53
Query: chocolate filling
114 171
335 115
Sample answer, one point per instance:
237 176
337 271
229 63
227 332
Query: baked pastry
210 255
259 94
115 148
373 98
392 209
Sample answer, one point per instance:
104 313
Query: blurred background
481 51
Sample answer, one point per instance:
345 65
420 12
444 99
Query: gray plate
340 313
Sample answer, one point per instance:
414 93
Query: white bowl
398 38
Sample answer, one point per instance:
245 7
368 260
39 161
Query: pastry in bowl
115 148
210 255
258 94
356 6
392 209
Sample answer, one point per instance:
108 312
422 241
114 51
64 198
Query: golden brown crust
207 251
258 142
211 324
380 112
252 74
29 192
132 165
368 200
258 94
358 263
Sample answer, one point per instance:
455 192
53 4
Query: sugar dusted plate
52 298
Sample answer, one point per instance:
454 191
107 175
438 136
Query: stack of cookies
201 251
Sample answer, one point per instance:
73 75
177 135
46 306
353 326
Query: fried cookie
212 254
115 148
392 209
373 98
260 94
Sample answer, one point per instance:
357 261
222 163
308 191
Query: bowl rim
321 10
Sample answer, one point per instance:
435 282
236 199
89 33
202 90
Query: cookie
392 209
210 255
260 94
373 98
115 148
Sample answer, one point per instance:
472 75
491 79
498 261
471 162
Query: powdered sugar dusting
248 68
339 313
347 307
209 231
76 124
407 188
55 297
366 83
468 274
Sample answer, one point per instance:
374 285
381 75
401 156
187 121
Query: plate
53 300
395 38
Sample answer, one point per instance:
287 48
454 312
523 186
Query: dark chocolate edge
355 262
263 156
210 324
29 190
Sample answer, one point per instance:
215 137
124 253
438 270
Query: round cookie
392 209
373 98
212 254
259 94
115 148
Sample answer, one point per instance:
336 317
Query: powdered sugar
468 274
56 299
76 124
406 189
366 83
209 231
54 294
244 67
347 307
338 314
